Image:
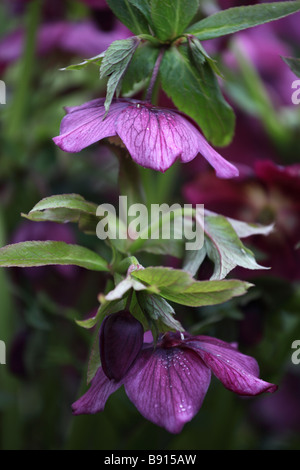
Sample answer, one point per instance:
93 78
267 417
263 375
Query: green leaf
164 247
93 60
214 246
151 237
225 249
129 15
171 17
178 286
244 229
35 253
294 64
66 208
200 55
139 69
114 64
193 260
239 18
195 91
160 311
144 7
105 309
66 201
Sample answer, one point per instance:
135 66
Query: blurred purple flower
64 284
281 413
83 39
155 137
262 47
43 231
288 28
168 383
52 8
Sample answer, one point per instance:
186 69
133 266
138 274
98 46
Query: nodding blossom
155 137
168 382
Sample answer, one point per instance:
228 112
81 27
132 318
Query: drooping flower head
168 383
155 137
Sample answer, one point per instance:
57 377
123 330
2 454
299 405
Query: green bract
294 64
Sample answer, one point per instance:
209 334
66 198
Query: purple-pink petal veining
155 137
168 386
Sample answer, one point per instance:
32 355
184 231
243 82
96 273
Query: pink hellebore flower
166 383
155 137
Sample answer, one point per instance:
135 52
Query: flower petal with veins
237 372
95 398
155 137
84 125
168 386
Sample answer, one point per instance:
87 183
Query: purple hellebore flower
168 383
155 137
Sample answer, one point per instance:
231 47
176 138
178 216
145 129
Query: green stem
259 95
10 419
155 74
165 183
23 89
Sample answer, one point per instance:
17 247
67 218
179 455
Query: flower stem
11 425
22 93
154 74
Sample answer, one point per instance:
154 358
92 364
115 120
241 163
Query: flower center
171 340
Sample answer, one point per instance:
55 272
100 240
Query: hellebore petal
223 168
95 398
121 339
84 125
168 386
167 383
155 137
237 372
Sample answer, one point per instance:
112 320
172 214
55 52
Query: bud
121 339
